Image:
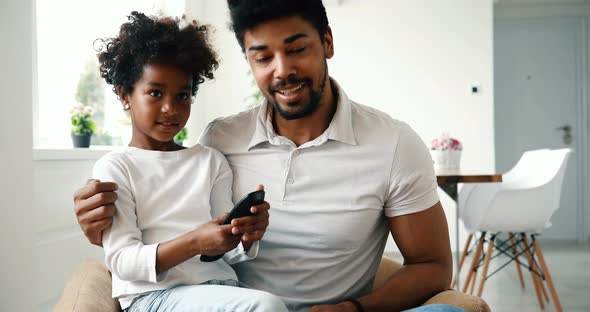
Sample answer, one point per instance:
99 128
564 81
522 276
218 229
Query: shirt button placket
290 180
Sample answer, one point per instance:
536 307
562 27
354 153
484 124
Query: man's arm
423 240
95 206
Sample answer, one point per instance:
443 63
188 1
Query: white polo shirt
329 197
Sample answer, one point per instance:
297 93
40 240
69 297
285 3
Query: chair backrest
556 163
524 201
527 162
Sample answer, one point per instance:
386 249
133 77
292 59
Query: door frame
518 10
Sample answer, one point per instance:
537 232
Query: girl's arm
125 254
209 239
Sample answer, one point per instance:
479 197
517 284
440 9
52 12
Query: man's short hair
247 14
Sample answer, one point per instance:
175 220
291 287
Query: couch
89 290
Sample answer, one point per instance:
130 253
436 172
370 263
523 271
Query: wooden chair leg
547 276
476 257
470 277
515 253
473 282
462 259
469 280
534 276
543 290
475 270
541 284
486 265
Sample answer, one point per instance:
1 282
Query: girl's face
160 105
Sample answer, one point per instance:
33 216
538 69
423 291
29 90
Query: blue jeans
211 296
436 308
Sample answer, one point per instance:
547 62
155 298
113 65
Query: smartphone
241 209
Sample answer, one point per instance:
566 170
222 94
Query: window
67 67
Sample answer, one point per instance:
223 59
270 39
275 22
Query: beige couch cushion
88 290
455 298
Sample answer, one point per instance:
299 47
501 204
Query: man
339 176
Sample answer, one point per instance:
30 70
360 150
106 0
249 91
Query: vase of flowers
446 153
82 125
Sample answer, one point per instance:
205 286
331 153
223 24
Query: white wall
226 94
16 30
415 60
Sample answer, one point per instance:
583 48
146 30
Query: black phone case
241 209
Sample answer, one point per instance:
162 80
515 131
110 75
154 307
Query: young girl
167 194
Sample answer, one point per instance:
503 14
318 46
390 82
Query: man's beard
314 97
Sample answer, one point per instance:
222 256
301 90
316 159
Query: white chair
514 174
521 207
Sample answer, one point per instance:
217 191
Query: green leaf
181 135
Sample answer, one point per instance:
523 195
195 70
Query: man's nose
284 67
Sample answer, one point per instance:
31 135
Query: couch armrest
88 290
455 298
451 297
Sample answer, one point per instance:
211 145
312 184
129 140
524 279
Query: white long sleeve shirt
161 196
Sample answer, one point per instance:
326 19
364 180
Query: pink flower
435 144
445 142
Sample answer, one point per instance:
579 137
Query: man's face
288 60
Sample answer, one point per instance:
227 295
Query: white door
538 64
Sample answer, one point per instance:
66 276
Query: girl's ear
124 98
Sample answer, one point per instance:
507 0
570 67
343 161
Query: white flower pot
446 160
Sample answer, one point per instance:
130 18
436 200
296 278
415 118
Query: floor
569 265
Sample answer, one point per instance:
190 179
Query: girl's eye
155 93
183 96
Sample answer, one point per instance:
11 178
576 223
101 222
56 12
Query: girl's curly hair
143 40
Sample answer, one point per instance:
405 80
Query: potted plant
181 136
82 125
446 153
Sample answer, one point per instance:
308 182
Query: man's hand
341 307
95 207
252 227
214 238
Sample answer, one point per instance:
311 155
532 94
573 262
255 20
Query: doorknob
567 134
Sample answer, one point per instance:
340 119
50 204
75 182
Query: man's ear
329 43
124 98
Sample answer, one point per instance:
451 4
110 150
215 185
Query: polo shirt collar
340 128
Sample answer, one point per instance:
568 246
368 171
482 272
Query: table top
465 176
